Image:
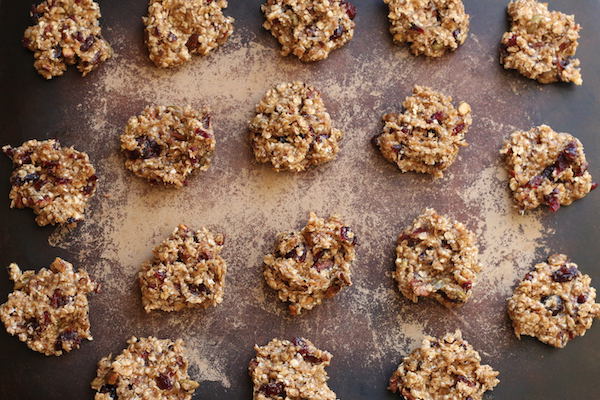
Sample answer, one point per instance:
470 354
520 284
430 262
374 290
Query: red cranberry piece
552 201
594 186
570 151
512 41
467 285
437 116
198 290
192 42
111 390
171 37
350 8
164 382
582 298
397 147
528 276
58 300
322 265
553 303
273 389
459 128
565 274
88 43
20 181
417 28
464 379
338 32
202 133
305 352
345 233
149 148
68 335
160 275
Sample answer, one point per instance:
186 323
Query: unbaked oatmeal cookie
429 27
292 129
166 144
427 135
541 44
546 167
48 309
313 264
284 370
446 368
437 258
66 32
149 368
554 302
186 271
55 182
310 29
176 29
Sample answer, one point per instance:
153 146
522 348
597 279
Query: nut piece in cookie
429 27
554 302
292 129
290 370
48 309
66 32
55 182
186 271
427 135
313 264
546 167
166 144
541 44
436 257
176 29
446 368
149 368
309 29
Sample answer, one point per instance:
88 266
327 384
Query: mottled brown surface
369 326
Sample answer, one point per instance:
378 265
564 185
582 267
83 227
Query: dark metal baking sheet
367 327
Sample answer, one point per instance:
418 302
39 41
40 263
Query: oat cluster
186 271
48 309
541 44
554 302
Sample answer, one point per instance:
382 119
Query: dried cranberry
553 304
79 37
305 352
397 147
565 274
512 41
456 34
594 186
198 290
202 133
32 325
345 233
111 390
322 137
570 151
160 275
149 147
350 8
192 42
58 300
273 389
528 276
338 32
582 298
322 265
68 335
172 37
437 116
464 379
467 285
458 128
20 181
552 201
417 28
88 43
34 13
164 382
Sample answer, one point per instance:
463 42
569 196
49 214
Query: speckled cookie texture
186 271
427 135
290 370
554 302
55 182
148 369
292 129
66 32
48 309
436 257
429 27
541 44
166 144
177 29
546 168
446 368
313 264
310 29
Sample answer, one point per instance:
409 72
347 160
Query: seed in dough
66 32
554 302
426 136
176 29
186 271
313 264
166 144
541 44
48 309
429 27
546 167
149 368
292 129
437 258
290 370
55 182
447 368
310 29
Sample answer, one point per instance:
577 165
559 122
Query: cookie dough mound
429 27
310 29
186 271
48 310
149 368
66 32
436 258
427 135
55 182
292 129
554 303
313 264
166 144
447 368
176 29
546 167
541 43
284 370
